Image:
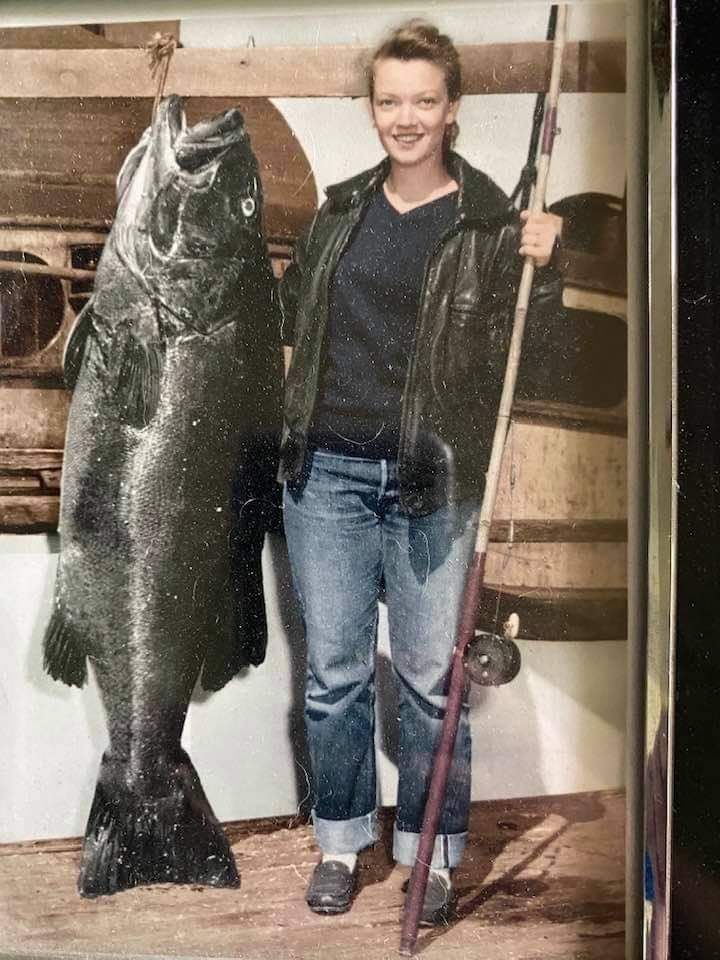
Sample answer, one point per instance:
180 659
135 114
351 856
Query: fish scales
168 486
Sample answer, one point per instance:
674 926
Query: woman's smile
411 110
408 138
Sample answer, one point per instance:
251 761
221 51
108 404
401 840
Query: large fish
169 463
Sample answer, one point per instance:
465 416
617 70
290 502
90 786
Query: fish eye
247 205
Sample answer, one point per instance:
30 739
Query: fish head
206 193
204 252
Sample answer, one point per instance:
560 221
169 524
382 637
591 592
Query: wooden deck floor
542 878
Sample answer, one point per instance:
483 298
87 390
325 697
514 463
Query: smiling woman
413 108
418 261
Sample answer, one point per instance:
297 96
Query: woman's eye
428 101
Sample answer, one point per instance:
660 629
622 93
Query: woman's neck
408 187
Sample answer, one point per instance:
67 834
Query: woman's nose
406 115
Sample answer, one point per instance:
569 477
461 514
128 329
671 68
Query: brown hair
419 40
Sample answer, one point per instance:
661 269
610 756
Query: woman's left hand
539 232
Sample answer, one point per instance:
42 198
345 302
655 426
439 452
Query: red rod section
443 758
550 130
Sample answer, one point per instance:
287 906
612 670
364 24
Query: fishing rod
492 660
476 573
528 175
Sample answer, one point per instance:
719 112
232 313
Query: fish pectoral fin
82 329
64 653
137 388
244 643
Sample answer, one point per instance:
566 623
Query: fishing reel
492 660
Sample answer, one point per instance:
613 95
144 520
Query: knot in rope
160 48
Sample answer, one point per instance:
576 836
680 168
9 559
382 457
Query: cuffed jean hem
447 852
345 836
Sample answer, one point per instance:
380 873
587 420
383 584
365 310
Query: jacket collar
480 200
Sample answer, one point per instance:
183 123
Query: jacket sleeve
550 367
291 284
549 344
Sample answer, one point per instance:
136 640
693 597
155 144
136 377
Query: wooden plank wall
322 71
60 157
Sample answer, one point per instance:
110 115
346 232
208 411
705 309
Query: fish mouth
200 198
195 147
201 143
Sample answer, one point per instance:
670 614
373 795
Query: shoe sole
328 910
443 915
438 920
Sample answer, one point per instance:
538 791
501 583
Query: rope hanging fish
160 48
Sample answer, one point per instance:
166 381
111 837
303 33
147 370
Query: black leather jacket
458 357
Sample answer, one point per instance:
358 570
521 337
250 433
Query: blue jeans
346 534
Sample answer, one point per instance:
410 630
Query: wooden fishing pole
476 574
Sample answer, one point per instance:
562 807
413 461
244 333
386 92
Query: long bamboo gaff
476 574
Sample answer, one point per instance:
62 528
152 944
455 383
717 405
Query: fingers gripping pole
476 574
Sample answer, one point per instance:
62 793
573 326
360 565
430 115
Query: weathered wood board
53 247
33 418
60 157
276 71
561 474
543 879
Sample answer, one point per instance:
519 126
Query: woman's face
411 110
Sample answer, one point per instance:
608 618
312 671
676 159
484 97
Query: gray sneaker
439 901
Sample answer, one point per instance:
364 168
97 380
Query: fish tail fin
64 654
138 382
159 830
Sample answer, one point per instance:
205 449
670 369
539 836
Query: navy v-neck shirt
374 299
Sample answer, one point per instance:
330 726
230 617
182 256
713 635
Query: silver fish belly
167 483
